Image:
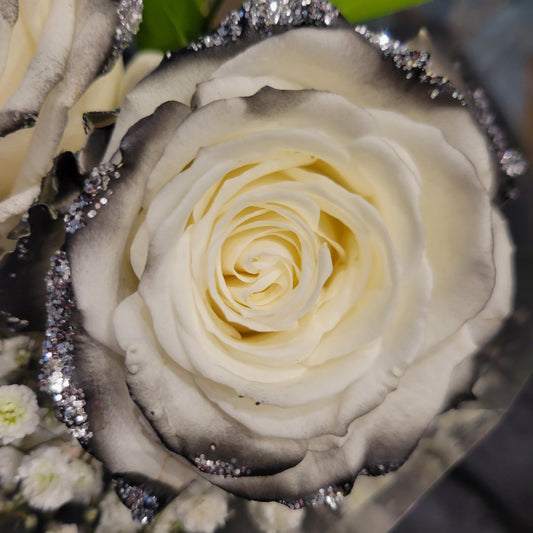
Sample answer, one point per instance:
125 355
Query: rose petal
8 18
100 279
199 424
121 437
94 30
460 253
342 61
46 67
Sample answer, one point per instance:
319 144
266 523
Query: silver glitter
57 365
129 15
413 62
142 503
265 15
93 197
331 496
511 162
218 467
415 65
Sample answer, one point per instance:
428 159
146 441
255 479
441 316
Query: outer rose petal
338 60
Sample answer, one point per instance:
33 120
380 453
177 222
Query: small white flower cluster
19 412
200 508
14 352
115 517
10 459
49 478
272 517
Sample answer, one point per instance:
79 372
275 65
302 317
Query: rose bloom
42 45
295 266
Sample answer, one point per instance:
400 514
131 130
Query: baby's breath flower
114 517
14 352
47 481
201 508
19 412
87 480
10 459
272 517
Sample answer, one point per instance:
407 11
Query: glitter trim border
57 364
510 161
264 16
129 17
332 496
143 504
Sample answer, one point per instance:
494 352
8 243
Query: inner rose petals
283 253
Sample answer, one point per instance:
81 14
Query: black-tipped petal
98 126
98 253
186 421
22 289
121 438
93 29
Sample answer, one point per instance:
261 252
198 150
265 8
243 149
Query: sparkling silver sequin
332 496
96 190
415 65
221 468
57 365
129 15
142 503
511 162
264 16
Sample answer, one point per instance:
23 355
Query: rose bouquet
266 273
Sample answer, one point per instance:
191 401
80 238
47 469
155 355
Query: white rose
298 260
44 64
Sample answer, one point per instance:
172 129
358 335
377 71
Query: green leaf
171 24
362 10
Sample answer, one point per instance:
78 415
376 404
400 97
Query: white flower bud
14 352
115 517
201 508
47 481
19 412
87 480
272 517
10 459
